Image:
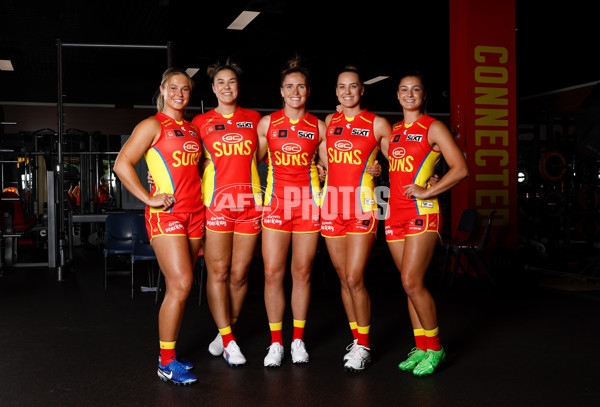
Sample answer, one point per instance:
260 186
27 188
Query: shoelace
272 348
177 367
359 351
431 357
414 351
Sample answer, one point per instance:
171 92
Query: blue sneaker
187 365
175 373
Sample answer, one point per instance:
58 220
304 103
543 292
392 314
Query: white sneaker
233 355
216 346
349 349
274 356
358 359
299 353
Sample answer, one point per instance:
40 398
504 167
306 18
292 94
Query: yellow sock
363 335
420 341
433 339
167 352
299 329
167 345
275 328
227 335
225 331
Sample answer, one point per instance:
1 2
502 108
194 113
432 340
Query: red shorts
292 220
398 227
340 226
245 221
186 224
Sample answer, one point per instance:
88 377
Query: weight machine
56 215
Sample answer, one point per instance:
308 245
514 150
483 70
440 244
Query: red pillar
483 110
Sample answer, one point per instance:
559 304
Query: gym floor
70 343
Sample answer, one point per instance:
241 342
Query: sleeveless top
231 178
351 147
173 163
412 161
292 146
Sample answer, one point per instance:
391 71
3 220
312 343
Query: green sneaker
428 364
414 357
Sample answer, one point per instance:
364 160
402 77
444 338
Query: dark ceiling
554 47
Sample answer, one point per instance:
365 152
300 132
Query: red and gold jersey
412 161
292 147
351 147
231 178
173 163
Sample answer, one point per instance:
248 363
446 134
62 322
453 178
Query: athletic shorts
245 221
340 226
294 220
398 227
186 224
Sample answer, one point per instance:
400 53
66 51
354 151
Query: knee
412 286
301 275
344 283
238 278
273 275
181 286
218 273
354 283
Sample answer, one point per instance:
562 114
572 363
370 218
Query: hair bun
294 63
214 69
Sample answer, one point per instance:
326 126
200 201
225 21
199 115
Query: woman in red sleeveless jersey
348 210
412 229
232 196
174 214
294 140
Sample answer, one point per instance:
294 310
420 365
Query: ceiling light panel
243 20
376 79
192 71
6 65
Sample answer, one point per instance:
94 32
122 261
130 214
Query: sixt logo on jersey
360 132
306 135
244 125
414 137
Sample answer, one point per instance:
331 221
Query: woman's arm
261 130
143 136
382 130
441 139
